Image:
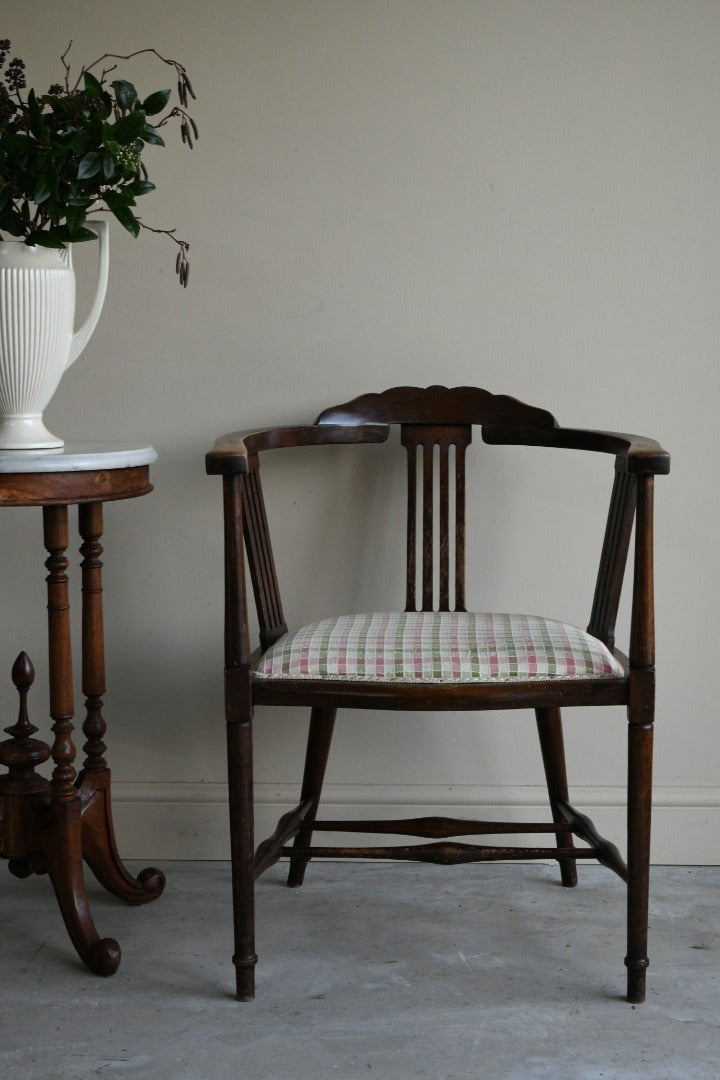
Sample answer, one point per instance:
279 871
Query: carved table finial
21 753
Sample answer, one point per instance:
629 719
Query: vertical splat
441 474
613 559
260 559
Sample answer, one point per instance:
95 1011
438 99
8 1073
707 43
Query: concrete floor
370 970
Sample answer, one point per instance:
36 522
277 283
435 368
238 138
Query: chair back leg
549 725
322 724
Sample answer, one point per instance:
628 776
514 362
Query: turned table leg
98 835
63 846
62 706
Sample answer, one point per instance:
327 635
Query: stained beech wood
240 784
439 827
90 523
262 563
446 854
427 697
322 724
62 707
63 489
53 826
21 754
431 441
614 558
606 853
435 426
550 733
640 742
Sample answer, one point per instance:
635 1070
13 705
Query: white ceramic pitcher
37 341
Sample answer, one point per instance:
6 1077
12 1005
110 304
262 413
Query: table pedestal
52 825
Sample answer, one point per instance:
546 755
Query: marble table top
78 455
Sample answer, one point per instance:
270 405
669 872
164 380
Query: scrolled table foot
114 876
152 881
33 864
20 868
103 956
100 849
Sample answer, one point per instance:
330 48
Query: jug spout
81 337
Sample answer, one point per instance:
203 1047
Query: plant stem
118 56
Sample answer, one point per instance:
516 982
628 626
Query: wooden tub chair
437 655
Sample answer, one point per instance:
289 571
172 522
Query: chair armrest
633 453
231 452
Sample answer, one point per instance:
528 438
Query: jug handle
81 337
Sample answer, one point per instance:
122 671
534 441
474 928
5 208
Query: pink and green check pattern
438 646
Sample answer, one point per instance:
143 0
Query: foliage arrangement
78 150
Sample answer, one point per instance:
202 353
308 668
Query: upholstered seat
438 647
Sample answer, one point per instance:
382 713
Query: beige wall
521 194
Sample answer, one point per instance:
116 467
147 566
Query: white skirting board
190 821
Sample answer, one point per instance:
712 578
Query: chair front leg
641 720
640 747
240 790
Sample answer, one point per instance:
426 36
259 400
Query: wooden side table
50 826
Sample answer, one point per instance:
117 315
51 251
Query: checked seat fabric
435 655
438 647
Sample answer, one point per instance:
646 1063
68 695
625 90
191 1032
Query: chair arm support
231 452
642 623
634 453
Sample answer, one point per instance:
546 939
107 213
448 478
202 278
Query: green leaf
108 166
18 141
11 222
42 192
35 120
156 102
82 235
93 88
143 187
116 200
93 128
62 106
45 238
53 179
130 127
75 218
77 197
126 218
67 237
89 166
151 135
125 93
78 143
54 211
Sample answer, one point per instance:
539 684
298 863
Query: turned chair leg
549 725
640 743
240 789
322 724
